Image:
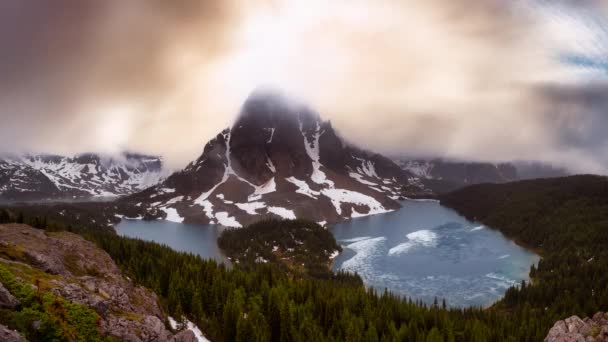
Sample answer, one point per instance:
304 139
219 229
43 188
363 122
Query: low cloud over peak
483 80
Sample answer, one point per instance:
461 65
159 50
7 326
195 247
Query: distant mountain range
279 159
82 177
445 175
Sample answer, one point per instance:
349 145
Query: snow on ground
339 196
251 207
367 167
282 212
165 191
206 194
228 221
266 188
420 169
175 200
271 134
190 326
207 208
172 215
312 149
360 179
303 187
420 238
271 165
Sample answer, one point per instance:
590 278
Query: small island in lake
299 247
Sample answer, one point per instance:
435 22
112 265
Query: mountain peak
267 107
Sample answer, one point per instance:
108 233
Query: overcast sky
480 80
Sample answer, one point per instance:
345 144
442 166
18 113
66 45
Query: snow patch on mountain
312 149
282 212
251 207
339 196
303 187
226 220
172 215
421 169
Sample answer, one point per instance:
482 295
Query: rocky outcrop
7 300
8 335
78 271
574 329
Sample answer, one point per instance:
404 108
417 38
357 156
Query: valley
280 218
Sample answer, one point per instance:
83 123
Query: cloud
484 80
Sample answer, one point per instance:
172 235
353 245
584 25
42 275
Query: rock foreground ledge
584 330
80 272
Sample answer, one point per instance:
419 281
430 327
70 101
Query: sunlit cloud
459 79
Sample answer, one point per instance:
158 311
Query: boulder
575 329
7 300
8 335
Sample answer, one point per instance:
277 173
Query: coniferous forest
565 220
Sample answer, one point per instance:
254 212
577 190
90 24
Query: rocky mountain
535 170
445 175
85 295
576 329
85 176
461 172
279 159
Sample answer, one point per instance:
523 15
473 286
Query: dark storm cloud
579 117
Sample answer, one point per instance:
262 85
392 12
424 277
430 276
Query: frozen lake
425 251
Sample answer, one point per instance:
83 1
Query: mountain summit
278 159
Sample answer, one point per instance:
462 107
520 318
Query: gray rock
574 329
7 300
574 323
184 336
8 335
87 275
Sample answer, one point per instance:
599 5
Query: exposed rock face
50 177
8 335
279 159
461 172
84 274
445 175
7 300
583 330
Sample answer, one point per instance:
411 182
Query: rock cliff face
279 160
68 267
580 330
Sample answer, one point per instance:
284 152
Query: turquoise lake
422 250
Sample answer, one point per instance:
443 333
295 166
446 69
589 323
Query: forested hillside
299 247
261 302
566 221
